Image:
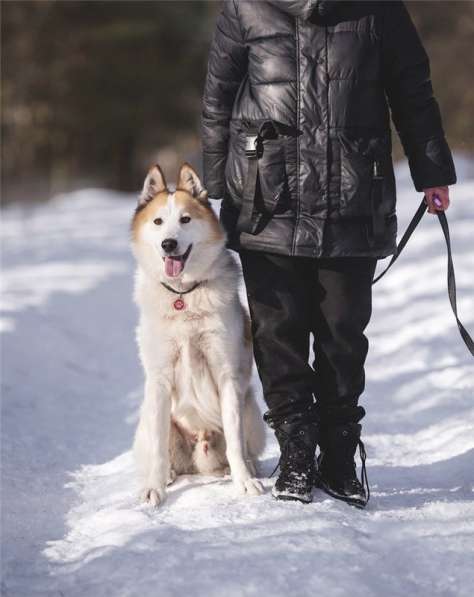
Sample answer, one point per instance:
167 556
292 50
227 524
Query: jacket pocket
364 162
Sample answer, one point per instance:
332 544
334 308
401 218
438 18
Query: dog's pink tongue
173 267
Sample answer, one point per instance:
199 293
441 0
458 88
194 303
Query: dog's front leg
234 437
151 446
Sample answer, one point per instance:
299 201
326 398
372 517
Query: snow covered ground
71 385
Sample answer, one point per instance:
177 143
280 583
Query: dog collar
179 304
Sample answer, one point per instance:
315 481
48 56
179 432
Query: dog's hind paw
152 496
249 486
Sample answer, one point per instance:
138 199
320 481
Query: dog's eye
157 221
185 220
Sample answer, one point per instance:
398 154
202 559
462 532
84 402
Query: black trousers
291 297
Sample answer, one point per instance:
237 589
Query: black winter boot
336 472
298 442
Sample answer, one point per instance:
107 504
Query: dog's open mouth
174 264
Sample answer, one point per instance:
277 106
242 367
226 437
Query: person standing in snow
296 141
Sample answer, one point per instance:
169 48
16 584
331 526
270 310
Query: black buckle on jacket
376 170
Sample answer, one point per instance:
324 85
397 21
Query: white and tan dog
199 413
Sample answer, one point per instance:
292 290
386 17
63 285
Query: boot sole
292 498
357 503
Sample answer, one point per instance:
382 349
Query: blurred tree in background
93 92
91 89
447 30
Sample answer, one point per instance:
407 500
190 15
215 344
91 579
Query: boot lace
364 480
351 468
294 450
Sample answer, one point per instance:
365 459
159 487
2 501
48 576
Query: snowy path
71 384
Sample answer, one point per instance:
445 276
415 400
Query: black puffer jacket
296 126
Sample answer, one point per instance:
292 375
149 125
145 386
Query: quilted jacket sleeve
415 111
227 66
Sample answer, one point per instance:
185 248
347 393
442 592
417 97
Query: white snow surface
72 383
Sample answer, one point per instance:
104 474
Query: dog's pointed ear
154 183
189 181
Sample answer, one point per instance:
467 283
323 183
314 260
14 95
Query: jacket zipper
297 39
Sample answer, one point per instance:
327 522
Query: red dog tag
179 304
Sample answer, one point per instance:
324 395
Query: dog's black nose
169 244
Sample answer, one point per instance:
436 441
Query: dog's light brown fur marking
195 208
199 210
145 213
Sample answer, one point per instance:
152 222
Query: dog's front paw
153 496
251 466
249 486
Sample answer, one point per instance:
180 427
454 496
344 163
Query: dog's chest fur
195 397
212 320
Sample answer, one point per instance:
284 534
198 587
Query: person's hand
437 199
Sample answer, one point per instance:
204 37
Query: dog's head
175 234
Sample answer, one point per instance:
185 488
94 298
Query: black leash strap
451 279
247 221
377 223
452 284
256 133
406 235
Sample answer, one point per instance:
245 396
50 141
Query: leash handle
450 275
